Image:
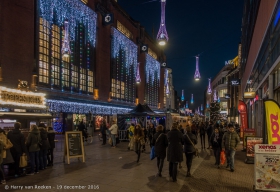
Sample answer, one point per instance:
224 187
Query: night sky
211 28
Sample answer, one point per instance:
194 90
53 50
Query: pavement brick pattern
115 170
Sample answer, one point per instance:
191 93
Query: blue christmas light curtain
152 70
123 67
72 10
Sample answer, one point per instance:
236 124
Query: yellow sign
272 111
249 95
21 98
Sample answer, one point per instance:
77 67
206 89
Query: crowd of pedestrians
37 147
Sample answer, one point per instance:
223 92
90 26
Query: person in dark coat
216 145
202 134
51 137
151 131
103 129
33 148
175 150
44 146
209 132
18 149
2 175
189 141
160 143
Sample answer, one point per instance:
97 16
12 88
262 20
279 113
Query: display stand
74 147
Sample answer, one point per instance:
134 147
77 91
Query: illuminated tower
183 97
197 74
192 99
207 105
162 36
65 50
209 90
138 79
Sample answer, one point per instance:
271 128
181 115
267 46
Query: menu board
251 142
74 145
248 133
267 167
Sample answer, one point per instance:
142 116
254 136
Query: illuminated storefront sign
249 95
16 97
235 82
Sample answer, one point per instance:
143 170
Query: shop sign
227 96
249 95
267 167
248 133
235 82
272 113
21 98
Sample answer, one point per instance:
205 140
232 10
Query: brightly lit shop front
22 105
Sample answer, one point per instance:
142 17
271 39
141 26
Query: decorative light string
74 11
82 108
152 68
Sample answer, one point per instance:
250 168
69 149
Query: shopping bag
152 153
110 141
222 157
8 144
23 161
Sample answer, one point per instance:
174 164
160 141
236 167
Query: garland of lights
121 42
83 108
152 68
74 11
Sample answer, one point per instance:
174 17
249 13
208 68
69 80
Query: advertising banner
242 108
267 167
272 114
251 142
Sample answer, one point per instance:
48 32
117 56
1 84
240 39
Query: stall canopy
142 110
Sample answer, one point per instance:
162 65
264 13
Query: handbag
222 157
23 161
196 154
110 141
8 144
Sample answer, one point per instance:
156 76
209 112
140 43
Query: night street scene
140 95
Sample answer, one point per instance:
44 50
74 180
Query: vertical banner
272 114
242 108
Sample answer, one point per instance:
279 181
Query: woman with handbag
160 143
138 140
190 140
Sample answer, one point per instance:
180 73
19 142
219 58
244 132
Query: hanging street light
209 90
138 79
197 74
162 36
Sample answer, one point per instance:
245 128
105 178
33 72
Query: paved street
109 169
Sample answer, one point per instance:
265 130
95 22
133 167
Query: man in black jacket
18 149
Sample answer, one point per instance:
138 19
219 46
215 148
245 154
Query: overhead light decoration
166 82
183 97
138 79
218 99
209 90
207 104
83 108
201 107
162 36
215 96
187 104
192 99
197 74
65 50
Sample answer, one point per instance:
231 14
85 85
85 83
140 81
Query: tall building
260 61
90 58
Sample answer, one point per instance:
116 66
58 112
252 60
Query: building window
222 92
55 56
117 89
124 30
74 78
90 81
44 35
223 106
65 72
83 86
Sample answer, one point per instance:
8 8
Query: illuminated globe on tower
162 36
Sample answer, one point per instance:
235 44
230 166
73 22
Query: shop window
222 92
117 89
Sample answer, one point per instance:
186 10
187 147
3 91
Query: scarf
216 137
